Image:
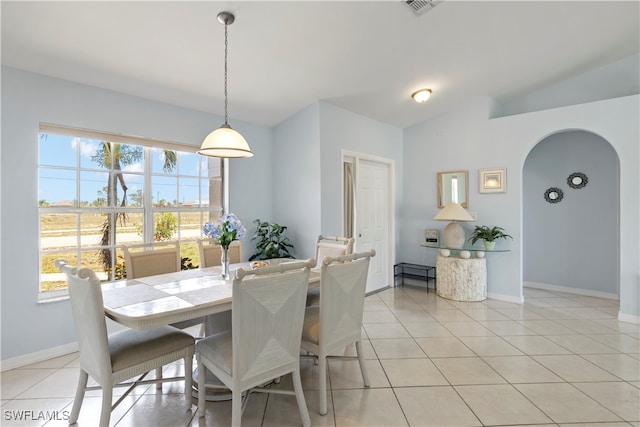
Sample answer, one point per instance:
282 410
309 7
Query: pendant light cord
226 48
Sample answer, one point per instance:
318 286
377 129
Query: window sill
53 296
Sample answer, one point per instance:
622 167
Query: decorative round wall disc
577 180
553 195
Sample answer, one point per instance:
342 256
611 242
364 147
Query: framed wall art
492 180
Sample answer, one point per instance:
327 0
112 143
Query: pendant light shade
225 142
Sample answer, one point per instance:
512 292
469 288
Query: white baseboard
569 290
375 291
629 318
38 356
507 298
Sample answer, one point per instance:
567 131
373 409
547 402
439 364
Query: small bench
414 271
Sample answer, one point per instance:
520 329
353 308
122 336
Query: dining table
199 294
171 298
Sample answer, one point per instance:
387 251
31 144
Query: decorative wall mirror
553 195
577 180
453 187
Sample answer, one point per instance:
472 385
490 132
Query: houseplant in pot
488 235
271 241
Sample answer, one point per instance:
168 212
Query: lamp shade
453 212
225 142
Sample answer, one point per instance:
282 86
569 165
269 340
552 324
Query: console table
461 275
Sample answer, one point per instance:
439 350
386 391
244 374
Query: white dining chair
332 246
211 253
112 360
264 342
149 259
337 321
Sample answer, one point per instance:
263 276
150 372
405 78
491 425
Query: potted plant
488 235
271 241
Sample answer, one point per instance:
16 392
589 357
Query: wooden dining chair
337 321
211 252
112 360
149 259
328 246
264 342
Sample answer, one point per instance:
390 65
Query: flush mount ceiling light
421 95
224 141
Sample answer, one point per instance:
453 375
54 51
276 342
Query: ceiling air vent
421 6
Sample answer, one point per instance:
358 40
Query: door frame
355 158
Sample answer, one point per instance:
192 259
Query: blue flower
228 229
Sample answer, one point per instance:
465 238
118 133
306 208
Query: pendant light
225 142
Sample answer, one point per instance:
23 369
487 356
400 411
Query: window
98 191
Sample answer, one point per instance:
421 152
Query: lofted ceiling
364 56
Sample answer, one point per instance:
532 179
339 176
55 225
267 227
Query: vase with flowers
228 229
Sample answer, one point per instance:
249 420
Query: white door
372 225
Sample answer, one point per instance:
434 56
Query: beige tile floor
556 360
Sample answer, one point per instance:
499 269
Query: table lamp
453 235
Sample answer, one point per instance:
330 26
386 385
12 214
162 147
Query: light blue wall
344 130
27 100
455 141
613 80
308 168
464 139
296 177
468 139
572 243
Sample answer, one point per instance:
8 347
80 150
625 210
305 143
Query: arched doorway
571 226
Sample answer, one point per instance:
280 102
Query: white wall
27 100
467 139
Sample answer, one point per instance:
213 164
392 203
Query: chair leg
236 408
363 366
188 381
159 376
322 376
302 404
202 373
77 401
107 396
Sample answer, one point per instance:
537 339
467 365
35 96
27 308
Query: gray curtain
348 199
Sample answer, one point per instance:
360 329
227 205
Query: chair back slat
87 308
343 282
267 313
149 259
332 246
211 253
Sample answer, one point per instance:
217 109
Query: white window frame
148 209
